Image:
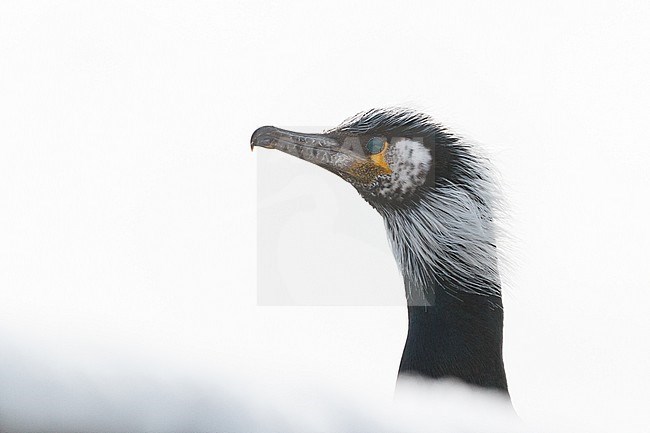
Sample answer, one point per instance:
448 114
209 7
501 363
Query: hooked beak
344 158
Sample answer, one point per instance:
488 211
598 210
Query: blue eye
375 145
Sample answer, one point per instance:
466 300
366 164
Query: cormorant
438 200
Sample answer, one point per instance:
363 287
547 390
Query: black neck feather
459 336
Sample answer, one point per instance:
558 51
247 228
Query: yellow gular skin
367 172
379 160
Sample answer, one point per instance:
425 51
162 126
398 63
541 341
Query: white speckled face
410 162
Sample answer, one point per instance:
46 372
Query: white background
128 191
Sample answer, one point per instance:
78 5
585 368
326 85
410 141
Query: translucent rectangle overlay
319 242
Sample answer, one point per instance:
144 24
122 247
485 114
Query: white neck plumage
446 236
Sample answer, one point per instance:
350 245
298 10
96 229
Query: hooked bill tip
264 137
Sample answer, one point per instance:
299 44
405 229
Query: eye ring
375 145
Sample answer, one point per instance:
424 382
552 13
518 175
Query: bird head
434 191
389 155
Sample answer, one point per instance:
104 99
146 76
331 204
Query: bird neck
444 244
459 336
